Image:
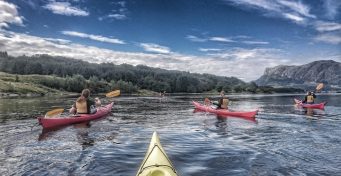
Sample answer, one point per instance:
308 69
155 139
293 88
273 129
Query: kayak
156 162
225 112
61 121
305 105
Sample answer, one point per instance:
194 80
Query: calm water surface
284 140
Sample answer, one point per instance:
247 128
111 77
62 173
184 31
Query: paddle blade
113 93
54 112
319 86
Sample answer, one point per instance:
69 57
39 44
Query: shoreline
4 95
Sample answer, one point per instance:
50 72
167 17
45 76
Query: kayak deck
305 105
61 121
225 112
156 162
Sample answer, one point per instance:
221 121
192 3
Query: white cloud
195 38
241 37
155 48
323 26
9 15
294 11
242 53
65 8
255 42
221 39
93 37
205 39
331 38
120 13
297 7
259 4
293 17
332 8
238 62
235 39
209 49
117 16
62 41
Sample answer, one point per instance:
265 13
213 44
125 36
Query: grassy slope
24 84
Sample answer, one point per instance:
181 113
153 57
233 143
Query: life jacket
82 107
310 99
225 103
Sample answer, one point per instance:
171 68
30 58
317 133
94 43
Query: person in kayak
85 104
222 102
309 98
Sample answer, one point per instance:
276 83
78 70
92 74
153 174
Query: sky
237 38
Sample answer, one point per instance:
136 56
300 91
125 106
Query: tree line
73 75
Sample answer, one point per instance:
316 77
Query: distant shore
14 85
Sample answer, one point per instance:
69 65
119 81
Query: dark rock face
324 71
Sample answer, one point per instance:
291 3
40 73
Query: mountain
303 76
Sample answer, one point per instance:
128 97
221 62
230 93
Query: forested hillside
73 75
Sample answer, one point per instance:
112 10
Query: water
284 140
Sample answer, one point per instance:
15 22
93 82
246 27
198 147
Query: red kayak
60 121
315 106
225 112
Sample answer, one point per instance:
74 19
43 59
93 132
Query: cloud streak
250 42
65 8
93 37
221 39
329 32
295 11
195 38
323 26
235 39
242 53
9 15
155 48
331 38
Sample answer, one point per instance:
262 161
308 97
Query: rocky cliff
308 75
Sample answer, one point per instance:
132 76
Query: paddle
56 112
319 87
114 93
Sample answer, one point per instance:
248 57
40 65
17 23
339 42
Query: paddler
222 102
309 98
85 104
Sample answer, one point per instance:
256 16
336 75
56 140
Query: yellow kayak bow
156 162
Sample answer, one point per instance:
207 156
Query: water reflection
82 134
221 125
45 133
310 112
279 142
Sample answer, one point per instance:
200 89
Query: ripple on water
283 141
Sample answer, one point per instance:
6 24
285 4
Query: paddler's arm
73 109
97 102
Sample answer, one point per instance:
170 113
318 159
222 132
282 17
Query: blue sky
224 37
